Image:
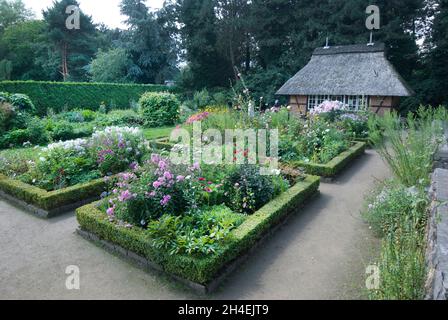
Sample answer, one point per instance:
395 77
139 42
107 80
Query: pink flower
150 194
198 117
180 178
157 184
125 196
163 165
165 200
111 211
167 175
196 166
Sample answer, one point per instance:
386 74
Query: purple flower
133 166
125 196
157 184
155 158
167 175
196 166
180 178
111 211
165 200
163 165
121 144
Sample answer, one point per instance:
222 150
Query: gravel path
321 253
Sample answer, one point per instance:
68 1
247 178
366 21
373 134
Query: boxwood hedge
71 95
53 200
200 270
335 166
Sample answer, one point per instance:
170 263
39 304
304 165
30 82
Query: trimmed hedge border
201 274
71 95
49 204
161 144
335 166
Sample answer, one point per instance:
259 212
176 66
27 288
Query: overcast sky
105 11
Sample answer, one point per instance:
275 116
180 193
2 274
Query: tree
76 46
152 48
5 69
12 12
111 66
208 66
438 56
23 43
234 38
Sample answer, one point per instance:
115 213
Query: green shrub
247 190
4 97
23 102
62 131
37 133
88 115
61 96
14 138
204 233
122 118
201 99
159 109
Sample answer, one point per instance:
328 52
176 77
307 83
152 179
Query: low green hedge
48 201
70 95
162 144
200 270
335 166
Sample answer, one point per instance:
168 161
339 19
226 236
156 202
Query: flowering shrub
61 165
189 210
156 188
327 107
67 163
355 124
318 141
198 117
116 148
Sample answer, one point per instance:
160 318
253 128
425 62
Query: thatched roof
348 70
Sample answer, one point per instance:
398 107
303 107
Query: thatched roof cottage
358 75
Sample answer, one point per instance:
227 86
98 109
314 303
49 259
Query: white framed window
354 103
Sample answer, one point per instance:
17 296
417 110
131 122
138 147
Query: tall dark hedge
71 95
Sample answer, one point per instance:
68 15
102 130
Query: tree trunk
64 64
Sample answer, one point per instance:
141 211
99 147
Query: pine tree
76 46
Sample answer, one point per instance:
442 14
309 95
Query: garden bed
335 166
47 204
201 274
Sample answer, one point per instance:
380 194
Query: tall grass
408 147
